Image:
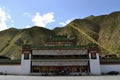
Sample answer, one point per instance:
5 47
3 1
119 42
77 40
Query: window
35 69
93 55
26 56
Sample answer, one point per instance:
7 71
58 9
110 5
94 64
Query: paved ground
9 77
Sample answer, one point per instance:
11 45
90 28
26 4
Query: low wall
105 68
10 69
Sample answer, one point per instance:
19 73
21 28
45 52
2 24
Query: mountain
102 30
13 39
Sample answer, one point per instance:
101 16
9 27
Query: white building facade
59 57
57 60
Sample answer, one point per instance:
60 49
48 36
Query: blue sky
50 13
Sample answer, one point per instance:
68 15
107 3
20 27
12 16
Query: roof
110 60
59 47
3 57
58 38
9 62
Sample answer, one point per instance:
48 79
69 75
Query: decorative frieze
60 63
59 52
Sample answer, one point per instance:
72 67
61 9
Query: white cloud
43 20
3 18
27 14
65 23
28 26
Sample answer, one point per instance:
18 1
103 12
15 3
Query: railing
59 58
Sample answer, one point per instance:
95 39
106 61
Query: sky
51 13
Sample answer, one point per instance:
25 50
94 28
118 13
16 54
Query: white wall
110 67
10 69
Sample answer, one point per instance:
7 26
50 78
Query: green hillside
102 30
13 39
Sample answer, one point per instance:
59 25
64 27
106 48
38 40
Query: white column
25 64
94 65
